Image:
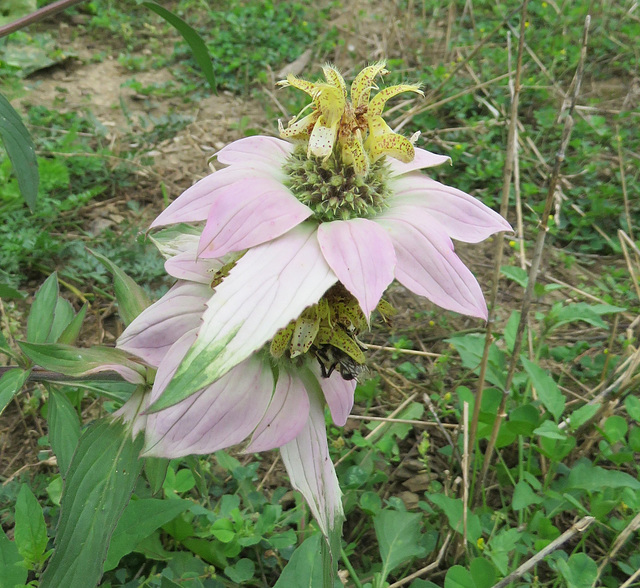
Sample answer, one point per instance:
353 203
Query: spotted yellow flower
352 128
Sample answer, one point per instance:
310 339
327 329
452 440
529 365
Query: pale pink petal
458 214
158 327
223 414
131 410
361 255
257 149
269 286
422 159
428 266
311 471
193 205
187 266
248 213
285 417
338 393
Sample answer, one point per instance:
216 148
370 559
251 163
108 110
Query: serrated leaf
132 299
21 150
398 536
10 384
13 571
77 362
64 429
30 530
42 311
139 520
99 483
198 46
546 388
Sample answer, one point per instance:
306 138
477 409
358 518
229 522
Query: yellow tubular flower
352 130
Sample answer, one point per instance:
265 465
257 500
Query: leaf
580 571
471 348
582 415
524 496
586 476
632 405
453 509
30 530
517 274
550 430
398 536
76 362
72 330
305 568
42 311
99 483
139 520
13 571
580 311
132 299
241 572
545 386
64 429
9 293
155 470
198 46
21 151
10 384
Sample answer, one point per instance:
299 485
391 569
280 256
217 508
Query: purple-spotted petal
338 393
158 327
421 159
285 417
257 149
269 286
311 471
223 414
460 215
193 205
428 266
249 213
361 255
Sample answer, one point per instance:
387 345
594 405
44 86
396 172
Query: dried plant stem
537 253
391 421
404 351
512 144
580 527
632 527
623 181
37 16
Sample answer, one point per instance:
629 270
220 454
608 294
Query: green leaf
305 568
64 429
511 329
139 520
30 530
13 571
615 429
241 572
72 330
453 509
9 293
21 151
550 430
580 571
398 536
471 349
579 312
63 314
524 496
586 476
10 384
77 362
155 470
546 388
99 483
582 415
632 405
42 311
132 299
517 274
482 572
198 46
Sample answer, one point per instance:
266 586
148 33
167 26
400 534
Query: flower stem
349 567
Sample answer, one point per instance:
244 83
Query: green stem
352 572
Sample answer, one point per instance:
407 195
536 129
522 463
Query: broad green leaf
139 520
471 348
42 311
132 299
458 577
305 568
72 330
241 572
77 362
580 312
64 429
482 572
99 483
517 274
21 151
632 405
615 429
453 509
511 329
546 388
62 317
500 546
524 496
582 415
580 571
398 536
13 571
550 430
9 293
30 531
10 384
586 476
198 46
155 470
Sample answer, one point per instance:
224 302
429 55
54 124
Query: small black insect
331 358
